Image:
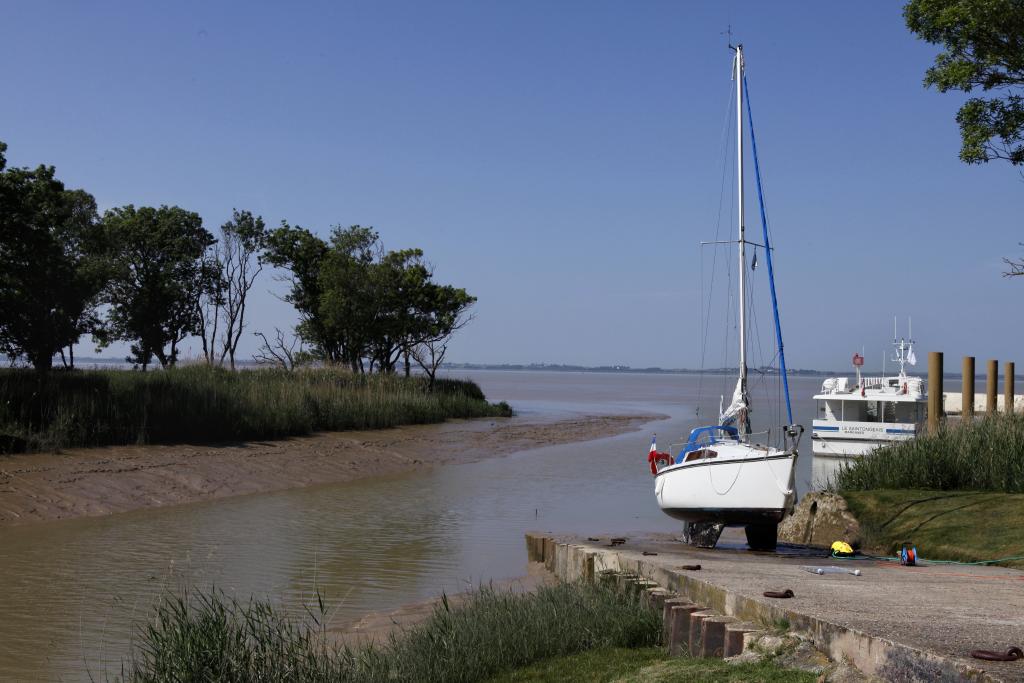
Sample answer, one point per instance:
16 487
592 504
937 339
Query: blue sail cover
705 436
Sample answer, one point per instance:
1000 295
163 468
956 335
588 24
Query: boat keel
702 534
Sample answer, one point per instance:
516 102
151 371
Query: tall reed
987 455
209 636
203 404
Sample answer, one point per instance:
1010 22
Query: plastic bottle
831 570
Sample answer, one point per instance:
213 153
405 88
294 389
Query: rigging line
731 309
756 327
704 343
762 383
753 326
778 403
706 317
728 315
725 143
729 320
766 383
775 412
768 255
711 480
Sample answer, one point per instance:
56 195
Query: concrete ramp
892 622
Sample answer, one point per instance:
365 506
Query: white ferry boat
853 419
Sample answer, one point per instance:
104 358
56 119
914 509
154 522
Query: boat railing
903 385
790 437
703 437
706 436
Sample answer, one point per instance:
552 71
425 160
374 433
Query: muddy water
70 590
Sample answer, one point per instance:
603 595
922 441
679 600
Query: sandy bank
376 627
99 481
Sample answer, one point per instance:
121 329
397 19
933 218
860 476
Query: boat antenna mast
904 347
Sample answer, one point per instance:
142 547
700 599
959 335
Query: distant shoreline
597 369
623 369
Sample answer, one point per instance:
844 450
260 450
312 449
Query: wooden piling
967 392
1008 387
934 390
991 387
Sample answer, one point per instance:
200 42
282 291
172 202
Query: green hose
884 558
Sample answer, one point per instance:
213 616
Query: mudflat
377 627
98 481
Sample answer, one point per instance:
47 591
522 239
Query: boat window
907 412
870 412
890 412
702 454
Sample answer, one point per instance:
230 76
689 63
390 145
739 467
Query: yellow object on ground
841 548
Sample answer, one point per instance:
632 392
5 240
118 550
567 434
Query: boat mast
738 74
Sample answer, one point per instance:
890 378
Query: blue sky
560 160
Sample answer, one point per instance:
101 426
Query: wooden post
1008 387
967 393
934 390
990 387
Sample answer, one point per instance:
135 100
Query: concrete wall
953 402
877 657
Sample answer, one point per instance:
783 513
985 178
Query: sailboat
722 477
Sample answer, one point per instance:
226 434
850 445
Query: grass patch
966 526
199 404
209 636
986 455
648 665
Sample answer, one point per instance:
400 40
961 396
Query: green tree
361 304
348 306
400 296
983 49
449 313
51 264
302 253
233 266
410 308
159 277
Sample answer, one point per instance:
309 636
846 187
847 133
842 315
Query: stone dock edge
570 560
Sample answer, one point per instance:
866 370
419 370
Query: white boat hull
836 439
742 490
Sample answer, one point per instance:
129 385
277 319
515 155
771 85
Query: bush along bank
209 636
200 404
987 455
957 495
